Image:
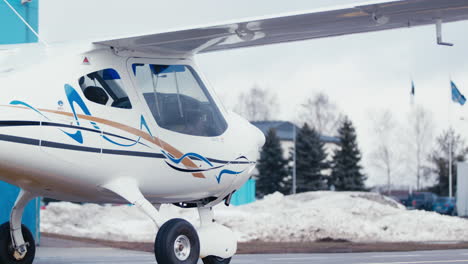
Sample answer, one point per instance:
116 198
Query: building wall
14 31
462 189
31 217
245 195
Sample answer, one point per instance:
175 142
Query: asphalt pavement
63 251
96 255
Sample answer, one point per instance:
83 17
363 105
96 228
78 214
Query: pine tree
346 171
272 167
311 159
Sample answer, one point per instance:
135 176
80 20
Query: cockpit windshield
178 99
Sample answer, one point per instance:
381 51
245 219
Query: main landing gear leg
218 243
176 240
129 190
17 245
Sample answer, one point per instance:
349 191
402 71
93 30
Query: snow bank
353 216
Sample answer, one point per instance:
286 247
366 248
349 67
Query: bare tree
385 155
257 104
449 143
321 114
421 133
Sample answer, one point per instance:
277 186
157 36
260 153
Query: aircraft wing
358 18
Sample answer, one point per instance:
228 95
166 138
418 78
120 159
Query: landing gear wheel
216 260
177 243
6 248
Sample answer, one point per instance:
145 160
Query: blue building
245 195
14 31
285 131
31 217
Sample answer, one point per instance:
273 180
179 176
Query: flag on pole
457 96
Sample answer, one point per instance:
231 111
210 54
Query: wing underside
370 17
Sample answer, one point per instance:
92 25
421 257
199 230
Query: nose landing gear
218 243
216 260
177 242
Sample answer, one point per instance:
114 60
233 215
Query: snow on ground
353 216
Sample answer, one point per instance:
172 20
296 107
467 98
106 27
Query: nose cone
259 137
249 137
256 142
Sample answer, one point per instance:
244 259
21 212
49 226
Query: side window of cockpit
105 87
178 99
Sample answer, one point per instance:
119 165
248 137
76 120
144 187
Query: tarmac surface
118 256
59 251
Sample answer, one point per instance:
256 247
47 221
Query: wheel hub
182 247
18 254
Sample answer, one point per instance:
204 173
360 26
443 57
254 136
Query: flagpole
450 163
294 187
413 112
457 97
450 140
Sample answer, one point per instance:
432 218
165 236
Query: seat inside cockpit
105 87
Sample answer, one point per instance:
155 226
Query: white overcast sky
360 73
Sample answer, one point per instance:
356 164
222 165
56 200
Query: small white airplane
132 120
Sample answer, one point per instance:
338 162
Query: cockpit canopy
178 99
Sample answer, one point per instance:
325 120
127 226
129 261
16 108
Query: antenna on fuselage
24 21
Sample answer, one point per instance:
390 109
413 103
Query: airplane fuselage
78 120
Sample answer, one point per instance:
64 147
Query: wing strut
439 34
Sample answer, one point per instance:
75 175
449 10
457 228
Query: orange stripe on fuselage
137 132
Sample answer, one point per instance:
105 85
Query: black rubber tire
6 250
215 260
167 235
